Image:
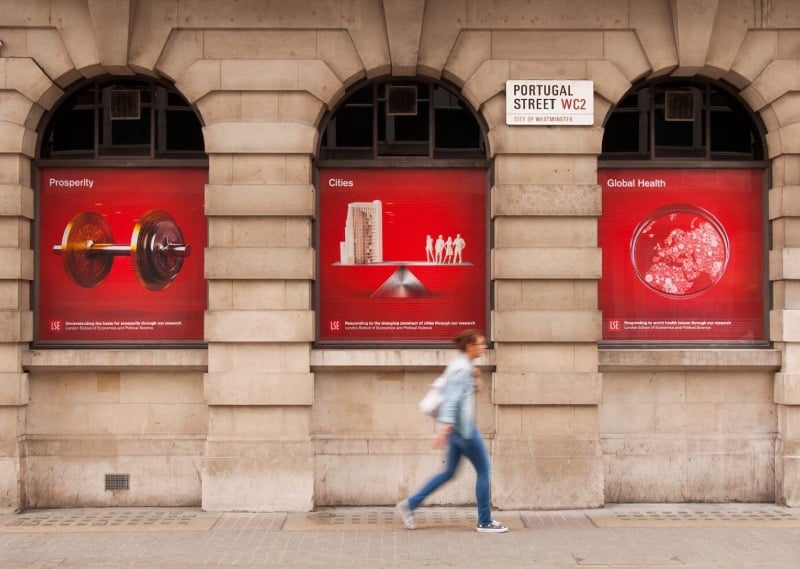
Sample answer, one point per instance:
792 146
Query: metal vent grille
125 105
679 106
401 100
118 481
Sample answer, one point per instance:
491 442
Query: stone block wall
373 446
82 426
689 436
260 420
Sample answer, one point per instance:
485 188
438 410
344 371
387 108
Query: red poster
683 255
121 255
402 254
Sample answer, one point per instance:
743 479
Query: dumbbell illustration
156 249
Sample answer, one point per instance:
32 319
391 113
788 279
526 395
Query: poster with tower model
402 254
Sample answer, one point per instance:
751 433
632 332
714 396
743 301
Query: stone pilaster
784 208
546 452
259 326
16 323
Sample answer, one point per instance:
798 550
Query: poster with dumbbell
120 255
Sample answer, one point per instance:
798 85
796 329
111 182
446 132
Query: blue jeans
475 451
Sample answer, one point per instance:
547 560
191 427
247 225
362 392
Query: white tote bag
432 401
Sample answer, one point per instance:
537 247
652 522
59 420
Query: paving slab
690 536
695 515
385 519
109 520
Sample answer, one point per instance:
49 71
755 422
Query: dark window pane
412 127
146 95
127 132
456 128
354 127
672 133
719 100
729 134
72 130
622 133
85 97
362 96
679 138
629 102
183 131
175 100
732 130
381 120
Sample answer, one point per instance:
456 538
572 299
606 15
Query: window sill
389 359
116 360
616 360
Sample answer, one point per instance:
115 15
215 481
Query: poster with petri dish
683 255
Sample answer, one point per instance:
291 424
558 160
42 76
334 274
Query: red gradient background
122 196
735 197
416 202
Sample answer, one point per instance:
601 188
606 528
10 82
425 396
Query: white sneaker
406 514
494 527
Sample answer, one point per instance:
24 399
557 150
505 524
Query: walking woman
458 431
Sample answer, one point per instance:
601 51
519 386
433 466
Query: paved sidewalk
730 536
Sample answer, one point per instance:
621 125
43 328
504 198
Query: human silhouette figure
439 249
458 246
429 249
448 250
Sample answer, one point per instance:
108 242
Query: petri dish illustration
679 250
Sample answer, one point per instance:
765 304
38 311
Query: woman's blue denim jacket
458 407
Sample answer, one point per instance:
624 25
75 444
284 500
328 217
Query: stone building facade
259 416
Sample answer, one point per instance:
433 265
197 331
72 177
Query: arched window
122 117
402 224
396 117
686 119
683 229
120 223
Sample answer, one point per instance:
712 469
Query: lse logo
56 325
335 325
615 325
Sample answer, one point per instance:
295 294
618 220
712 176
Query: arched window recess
403 176
684 230
683 121
120 226
401 120
119 119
